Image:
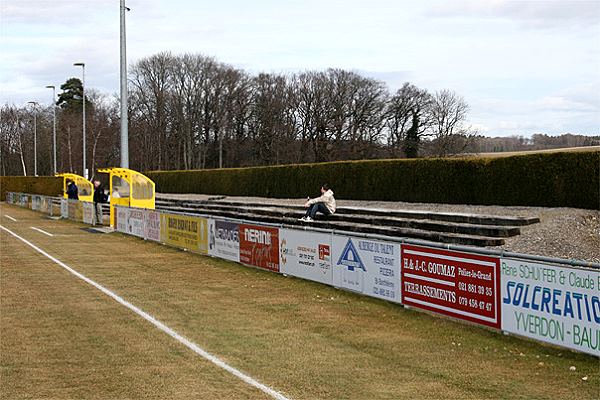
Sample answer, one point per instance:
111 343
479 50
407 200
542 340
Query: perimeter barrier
550 300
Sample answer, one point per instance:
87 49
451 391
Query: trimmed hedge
44 185
562 179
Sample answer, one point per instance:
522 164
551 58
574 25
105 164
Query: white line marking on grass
186 342
41 231
9 217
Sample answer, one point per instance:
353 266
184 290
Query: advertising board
553 304
371 267
259 246
9 198
306 255
88 213
36 203
75 210
24 200
64 208
185 232
224 239
121 215
456 284
135 222
152 225
47 205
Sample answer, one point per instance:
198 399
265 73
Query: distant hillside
515 153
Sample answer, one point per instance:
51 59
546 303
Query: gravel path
570 233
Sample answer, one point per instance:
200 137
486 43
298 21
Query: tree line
191 111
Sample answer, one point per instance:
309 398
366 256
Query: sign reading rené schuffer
457 284
259 246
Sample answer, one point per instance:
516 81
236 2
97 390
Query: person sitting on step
324 204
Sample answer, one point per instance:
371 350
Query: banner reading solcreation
370 267
185 232
460 285
553 304
259 246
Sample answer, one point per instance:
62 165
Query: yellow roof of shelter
86 189
129 188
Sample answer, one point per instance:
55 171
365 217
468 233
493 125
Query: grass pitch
62 338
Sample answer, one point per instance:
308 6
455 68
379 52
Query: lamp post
53 125
34 103
124 127
82 65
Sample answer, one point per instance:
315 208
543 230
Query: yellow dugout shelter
84 187
129 188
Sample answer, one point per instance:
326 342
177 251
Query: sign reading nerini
259 246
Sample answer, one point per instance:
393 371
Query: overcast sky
524 66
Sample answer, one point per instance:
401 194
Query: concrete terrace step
437 226
412 214
401 232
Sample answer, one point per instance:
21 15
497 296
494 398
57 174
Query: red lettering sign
460 285
259 246
324 252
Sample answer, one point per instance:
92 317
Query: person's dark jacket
99 195
72 191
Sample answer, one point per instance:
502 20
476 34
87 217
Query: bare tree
449 128
409 119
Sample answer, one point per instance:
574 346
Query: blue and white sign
224 239
554 304
371 267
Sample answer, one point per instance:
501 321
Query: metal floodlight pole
82 65
34 136
124 127
53 125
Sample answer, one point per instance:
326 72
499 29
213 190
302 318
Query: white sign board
553 304
36 203
152 225
122 213
305 255
370 267
135 222
64 208
88 213
47 205
224 239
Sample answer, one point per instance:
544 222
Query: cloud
537 14
394 79
61 12
559 103
68 13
